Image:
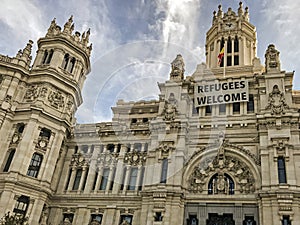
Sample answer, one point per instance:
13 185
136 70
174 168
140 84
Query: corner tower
233 35
37 117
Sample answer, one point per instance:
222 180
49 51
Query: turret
231 41
64 51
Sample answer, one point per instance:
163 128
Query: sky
134 41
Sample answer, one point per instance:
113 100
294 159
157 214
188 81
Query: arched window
45 57
236 51
45 133
221 184
71 65
20 127
9 160
35 165
21 205
236 44
49 56
229 45
65 61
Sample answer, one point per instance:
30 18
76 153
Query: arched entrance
221 184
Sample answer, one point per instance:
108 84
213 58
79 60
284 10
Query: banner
213 93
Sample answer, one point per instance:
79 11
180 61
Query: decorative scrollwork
135 158
56 99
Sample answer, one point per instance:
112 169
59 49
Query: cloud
283 21
22 20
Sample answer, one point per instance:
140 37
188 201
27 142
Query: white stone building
220 146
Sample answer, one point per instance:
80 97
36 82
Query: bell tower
231 40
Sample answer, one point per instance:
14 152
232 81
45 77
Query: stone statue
177 68
272 58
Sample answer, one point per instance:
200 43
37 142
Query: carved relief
42 143
107 158
165 148
276 101
43 92
135 158
56 99
78 160
32 93
221 164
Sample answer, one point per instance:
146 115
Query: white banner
213 93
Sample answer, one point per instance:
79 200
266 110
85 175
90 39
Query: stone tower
38 103
233 33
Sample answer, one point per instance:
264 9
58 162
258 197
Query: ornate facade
220 146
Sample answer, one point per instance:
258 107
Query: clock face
230 25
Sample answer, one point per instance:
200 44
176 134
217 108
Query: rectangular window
236 60
192 220
286 220
68 181
222 109
133 178
281 170
111 147
77 179
229 60
96 218
21 205
112 179
164 171
104 179
95 181
127 218
250 104
68 217
35 164
236 108
9 160
208 110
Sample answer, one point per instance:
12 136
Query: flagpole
224 68
224 63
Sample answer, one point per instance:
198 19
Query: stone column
82 179
36 211
110 178
97 186
72 178
138 178
118 177
127 174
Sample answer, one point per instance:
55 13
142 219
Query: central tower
231 41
